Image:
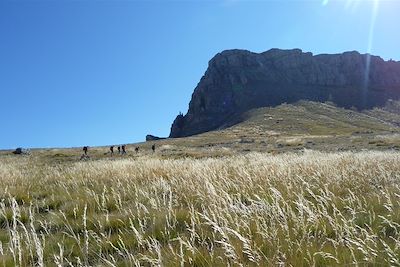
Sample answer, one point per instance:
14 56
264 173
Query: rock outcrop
21 151
239 80
150 137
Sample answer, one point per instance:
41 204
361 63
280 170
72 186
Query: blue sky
76 73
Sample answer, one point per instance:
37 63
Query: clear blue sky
76 73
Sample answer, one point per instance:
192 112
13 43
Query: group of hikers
121 150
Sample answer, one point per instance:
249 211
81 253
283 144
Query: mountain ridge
239 80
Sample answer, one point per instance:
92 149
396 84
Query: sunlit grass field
257 209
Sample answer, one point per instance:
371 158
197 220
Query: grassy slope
304 125
322 209
197 201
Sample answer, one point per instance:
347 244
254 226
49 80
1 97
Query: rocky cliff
239 80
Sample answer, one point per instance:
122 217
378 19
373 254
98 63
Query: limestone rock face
239 80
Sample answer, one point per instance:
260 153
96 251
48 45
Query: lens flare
375 9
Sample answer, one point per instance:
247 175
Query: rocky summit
239 80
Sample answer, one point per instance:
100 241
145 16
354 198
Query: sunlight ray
349 4
374 16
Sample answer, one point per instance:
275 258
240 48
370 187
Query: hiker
119 150
112 150
123 150
85 149
153 147
137 149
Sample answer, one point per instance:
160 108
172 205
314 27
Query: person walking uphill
119 150
123 150
153 147
85 155
112 150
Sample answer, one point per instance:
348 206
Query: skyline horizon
184 113
77 73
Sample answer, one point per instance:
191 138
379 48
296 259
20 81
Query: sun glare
352 6
371 34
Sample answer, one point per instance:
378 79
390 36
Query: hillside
287 127
237 81
303 125
225 197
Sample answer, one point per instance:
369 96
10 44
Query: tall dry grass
314 209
